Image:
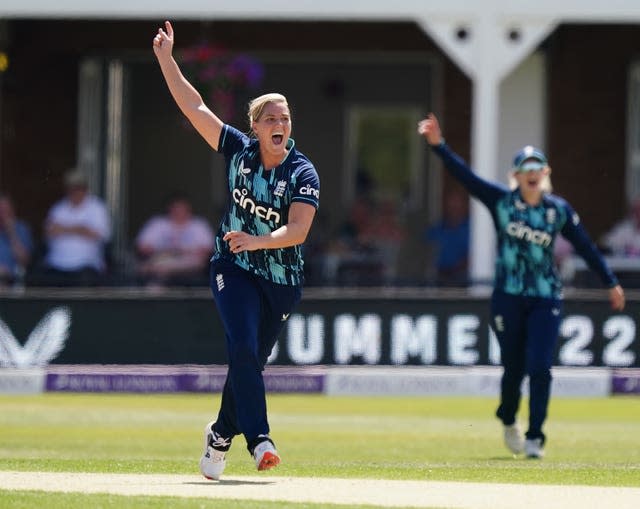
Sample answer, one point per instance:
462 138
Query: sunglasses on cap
529 159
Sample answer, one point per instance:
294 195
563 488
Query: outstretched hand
616 298
430 129
163 41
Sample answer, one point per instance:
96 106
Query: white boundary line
380 492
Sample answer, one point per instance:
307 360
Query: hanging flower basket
221 76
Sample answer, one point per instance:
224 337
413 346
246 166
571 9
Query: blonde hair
257 105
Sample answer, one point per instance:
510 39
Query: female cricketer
257 268
526 300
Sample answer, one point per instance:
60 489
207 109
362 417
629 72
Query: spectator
16 244
364 251
175 248
624 238
77 229
451 239
383 234
563 255
347 260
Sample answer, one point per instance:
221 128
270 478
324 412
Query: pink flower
222 74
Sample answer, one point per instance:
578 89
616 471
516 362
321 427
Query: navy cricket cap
529 159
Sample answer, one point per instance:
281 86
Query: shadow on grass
229 482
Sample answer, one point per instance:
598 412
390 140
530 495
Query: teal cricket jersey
259 204
526 234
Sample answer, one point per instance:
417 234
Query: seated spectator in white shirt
77 229
624 238
174 248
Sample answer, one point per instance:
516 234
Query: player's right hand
430 129
163 41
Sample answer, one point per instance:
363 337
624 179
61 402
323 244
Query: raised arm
487 192
186 96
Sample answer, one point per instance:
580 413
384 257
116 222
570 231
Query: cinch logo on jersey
241 198
308 190
522 231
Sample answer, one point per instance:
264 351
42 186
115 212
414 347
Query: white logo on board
43 345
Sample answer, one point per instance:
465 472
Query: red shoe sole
269 460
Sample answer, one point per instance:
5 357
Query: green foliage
384 147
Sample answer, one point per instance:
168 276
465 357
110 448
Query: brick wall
587 111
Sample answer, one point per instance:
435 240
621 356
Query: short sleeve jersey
259 204
71 251
526 234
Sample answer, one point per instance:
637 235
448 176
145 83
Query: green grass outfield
590 441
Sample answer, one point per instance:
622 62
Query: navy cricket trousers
527 331
253 311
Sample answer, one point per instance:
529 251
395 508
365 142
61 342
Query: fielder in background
257 268
526 300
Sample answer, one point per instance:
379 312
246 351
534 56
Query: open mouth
277 139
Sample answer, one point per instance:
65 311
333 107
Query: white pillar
484 150
494 45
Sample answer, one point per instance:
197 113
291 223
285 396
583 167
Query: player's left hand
241 241
616 297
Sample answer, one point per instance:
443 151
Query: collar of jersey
290 147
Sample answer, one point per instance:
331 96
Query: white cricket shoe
265 454
513 438
533 448
212 462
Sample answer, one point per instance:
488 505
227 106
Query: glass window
384 150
